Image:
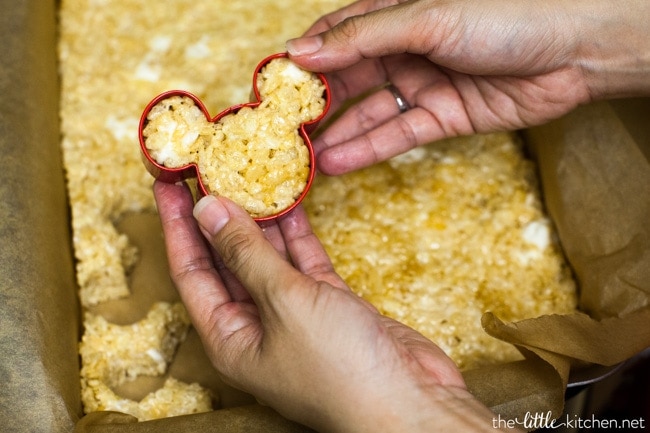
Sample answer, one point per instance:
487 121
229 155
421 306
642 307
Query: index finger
306 251
190 259
328 21
393 29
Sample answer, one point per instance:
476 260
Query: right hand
467 67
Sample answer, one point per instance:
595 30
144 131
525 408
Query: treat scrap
255 155
112 355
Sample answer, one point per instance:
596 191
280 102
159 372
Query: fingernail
304 46
211 214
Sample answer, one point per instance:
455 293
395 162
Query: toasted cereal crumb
255 156
438 236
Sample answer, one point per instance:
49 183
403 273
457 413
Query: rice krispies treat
113 354
208 48
255 156
116 353
438 236
173 399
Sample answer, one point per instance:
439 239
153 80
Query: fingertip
304 46
172 200
160 187
341 159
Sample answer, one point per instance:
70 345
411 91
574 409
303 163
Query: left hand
278 322
465 67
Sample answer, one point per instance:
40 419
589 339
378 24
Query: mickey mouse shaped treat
257 154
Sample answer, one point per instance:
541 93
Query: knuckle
235 247
193 261
348 29
406 130
366 117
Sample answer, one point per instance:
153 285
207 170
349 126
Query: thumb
402 28
241 245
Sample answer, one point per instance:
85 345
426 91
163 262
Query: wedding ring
402 103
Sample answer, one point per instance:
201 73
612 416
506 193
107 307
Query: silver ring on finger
402 103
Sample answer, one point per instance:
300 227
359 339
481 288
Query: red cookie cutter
174 175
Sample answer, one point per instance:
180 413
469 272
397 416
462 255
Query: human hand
277 322
467 67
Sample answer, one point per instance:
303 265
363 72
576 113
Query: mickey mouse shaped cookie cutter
258 153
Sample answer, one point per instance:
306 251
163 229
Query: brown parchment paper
595 175
39 313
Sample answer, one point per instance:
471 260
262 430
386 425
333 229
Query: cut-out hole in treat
257 154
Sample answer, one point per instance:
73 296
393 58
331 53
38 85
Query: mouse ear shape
310 125
178 119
